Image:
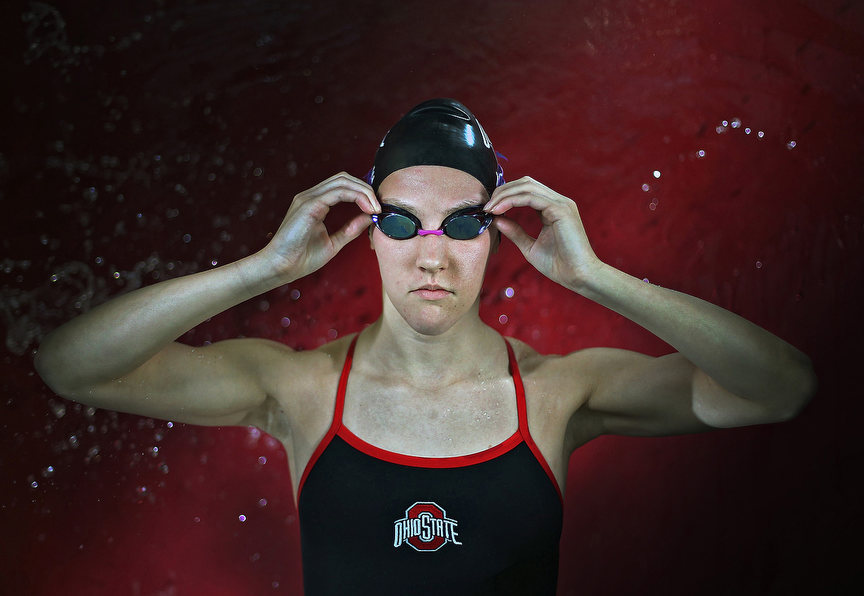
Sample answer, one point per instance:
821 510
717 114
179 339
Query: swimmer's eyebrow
461 205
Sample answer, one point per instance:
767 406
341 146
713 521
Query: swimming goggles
464 224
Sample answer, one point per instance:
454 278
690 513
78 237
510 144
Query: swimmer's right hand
302 243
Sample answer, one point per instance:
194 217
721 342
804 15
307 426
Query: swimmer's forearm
739 355
118 336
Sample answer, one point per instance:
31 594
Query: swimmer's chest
461 418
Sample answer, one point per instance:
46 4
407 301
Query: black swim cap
438 132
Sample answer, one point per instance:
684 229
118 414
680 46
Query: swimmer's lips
431 292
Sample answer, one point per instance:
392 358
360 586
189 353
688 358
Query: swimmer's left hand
561 251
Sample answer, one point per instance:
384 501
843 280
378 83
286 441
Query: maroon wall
139 143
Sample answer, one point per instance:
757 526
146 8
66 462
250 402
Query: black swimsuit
382 523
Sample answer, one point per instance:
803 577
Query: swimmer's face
431 193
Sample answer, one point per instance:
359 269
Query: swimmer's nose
431 252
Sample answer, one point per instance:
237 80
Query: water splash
72 289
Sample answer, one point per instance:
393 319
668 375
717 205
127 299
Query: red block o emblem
425 528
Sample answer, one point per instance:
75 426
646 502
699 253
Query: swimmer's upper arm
216 385
639 395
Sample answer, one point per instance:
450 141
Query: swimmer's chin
430 328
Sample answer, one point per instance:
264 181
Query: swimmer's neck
393 347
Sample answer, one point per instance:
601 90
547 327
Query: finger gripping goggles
464 224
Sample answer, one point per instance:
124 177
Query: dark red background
126 126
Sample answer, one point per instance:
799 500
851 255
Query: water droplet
187 238
760 134
791 145
262 502
758 264
700 153
747 131
262 460
646 187
736 122
285 322
656 173
503 319
241 517
59 409
295 294
509 292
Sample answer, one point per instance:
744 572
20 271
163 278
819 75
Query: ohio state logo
425 528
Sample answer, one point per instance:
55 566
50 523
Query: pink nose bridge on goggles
428 232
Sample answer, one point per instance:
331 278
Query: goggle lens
464 227
396 226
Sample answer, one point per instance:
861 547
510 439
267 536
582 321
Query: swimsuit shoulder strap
336 424
522 408
343 384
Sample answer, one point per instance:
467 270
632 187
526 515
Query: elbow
46 370
802 385
42 364
52 373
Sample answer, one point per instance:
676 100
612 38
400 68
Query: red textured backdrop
145 140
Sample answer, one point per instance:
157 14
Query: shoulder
272 356
557 389
554 367
573 377
552 376
301 371
297 381
589 365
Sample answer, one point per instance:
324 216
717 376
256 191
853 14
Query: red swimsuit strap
343 384
336 424
522 408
